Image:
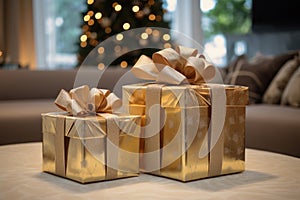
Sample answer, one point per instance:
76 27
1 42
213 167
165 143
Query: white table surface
267 176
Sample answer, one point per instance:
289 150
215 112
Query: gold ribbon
183 65
82 100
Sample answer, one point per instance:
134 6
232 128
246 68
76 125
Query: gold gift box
79 148
173 152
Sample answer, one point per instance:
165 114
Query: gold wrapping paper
78 147
181 136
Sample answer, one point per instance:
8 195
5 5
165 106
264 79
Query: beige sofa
27 94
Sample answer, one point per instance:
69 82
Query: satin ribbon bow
183 65
82 100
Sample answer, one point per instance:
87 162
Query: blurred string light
101 66
166 37
101 50
90 13
119 36
98 15
86 18
118 7
117 48
90 2
148 35
144 36
148 30
135 9
152 17
91 22
124 64
126 26
83 38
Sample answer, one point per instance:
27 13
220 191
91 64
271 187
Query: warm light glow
135 8
124 64
98 15
83 38
151 2
148 31
114 4
88 34
139 14
85 28
93 35
158 18
86 18
152 17
119 36
126 26
90 2
117 48
1 53
155 33
101 66
118 7
83 44
101 50
91 22
94 42
107 30
90 13
144 36
166 37
167 45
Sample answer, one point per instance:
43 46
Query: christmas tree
105 19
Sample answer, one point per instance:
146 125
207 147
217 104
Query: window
57 30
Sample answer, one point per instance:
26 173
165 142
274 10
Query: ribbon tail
145 68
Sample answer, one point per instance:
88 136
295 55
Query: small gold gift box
177 134
91 148
88 143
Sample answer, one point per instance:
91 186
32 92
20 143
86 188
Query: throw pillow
258 74
234 66
274 92
291 94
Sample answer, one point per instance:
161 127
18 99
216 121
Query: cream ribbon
183 65
82 100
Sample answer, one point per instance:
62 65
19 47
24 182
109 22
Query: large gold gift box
91 148
176 132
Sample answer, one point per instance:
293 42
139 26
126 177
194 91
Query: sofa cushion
273 128
21 121
258 74
291 94
274 92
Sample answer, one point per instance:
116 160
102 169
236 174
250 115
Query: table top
267 176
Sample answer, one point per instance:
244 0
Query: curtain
17 33
188 22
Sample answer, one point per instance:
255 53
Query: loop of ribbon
83 100
183 65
